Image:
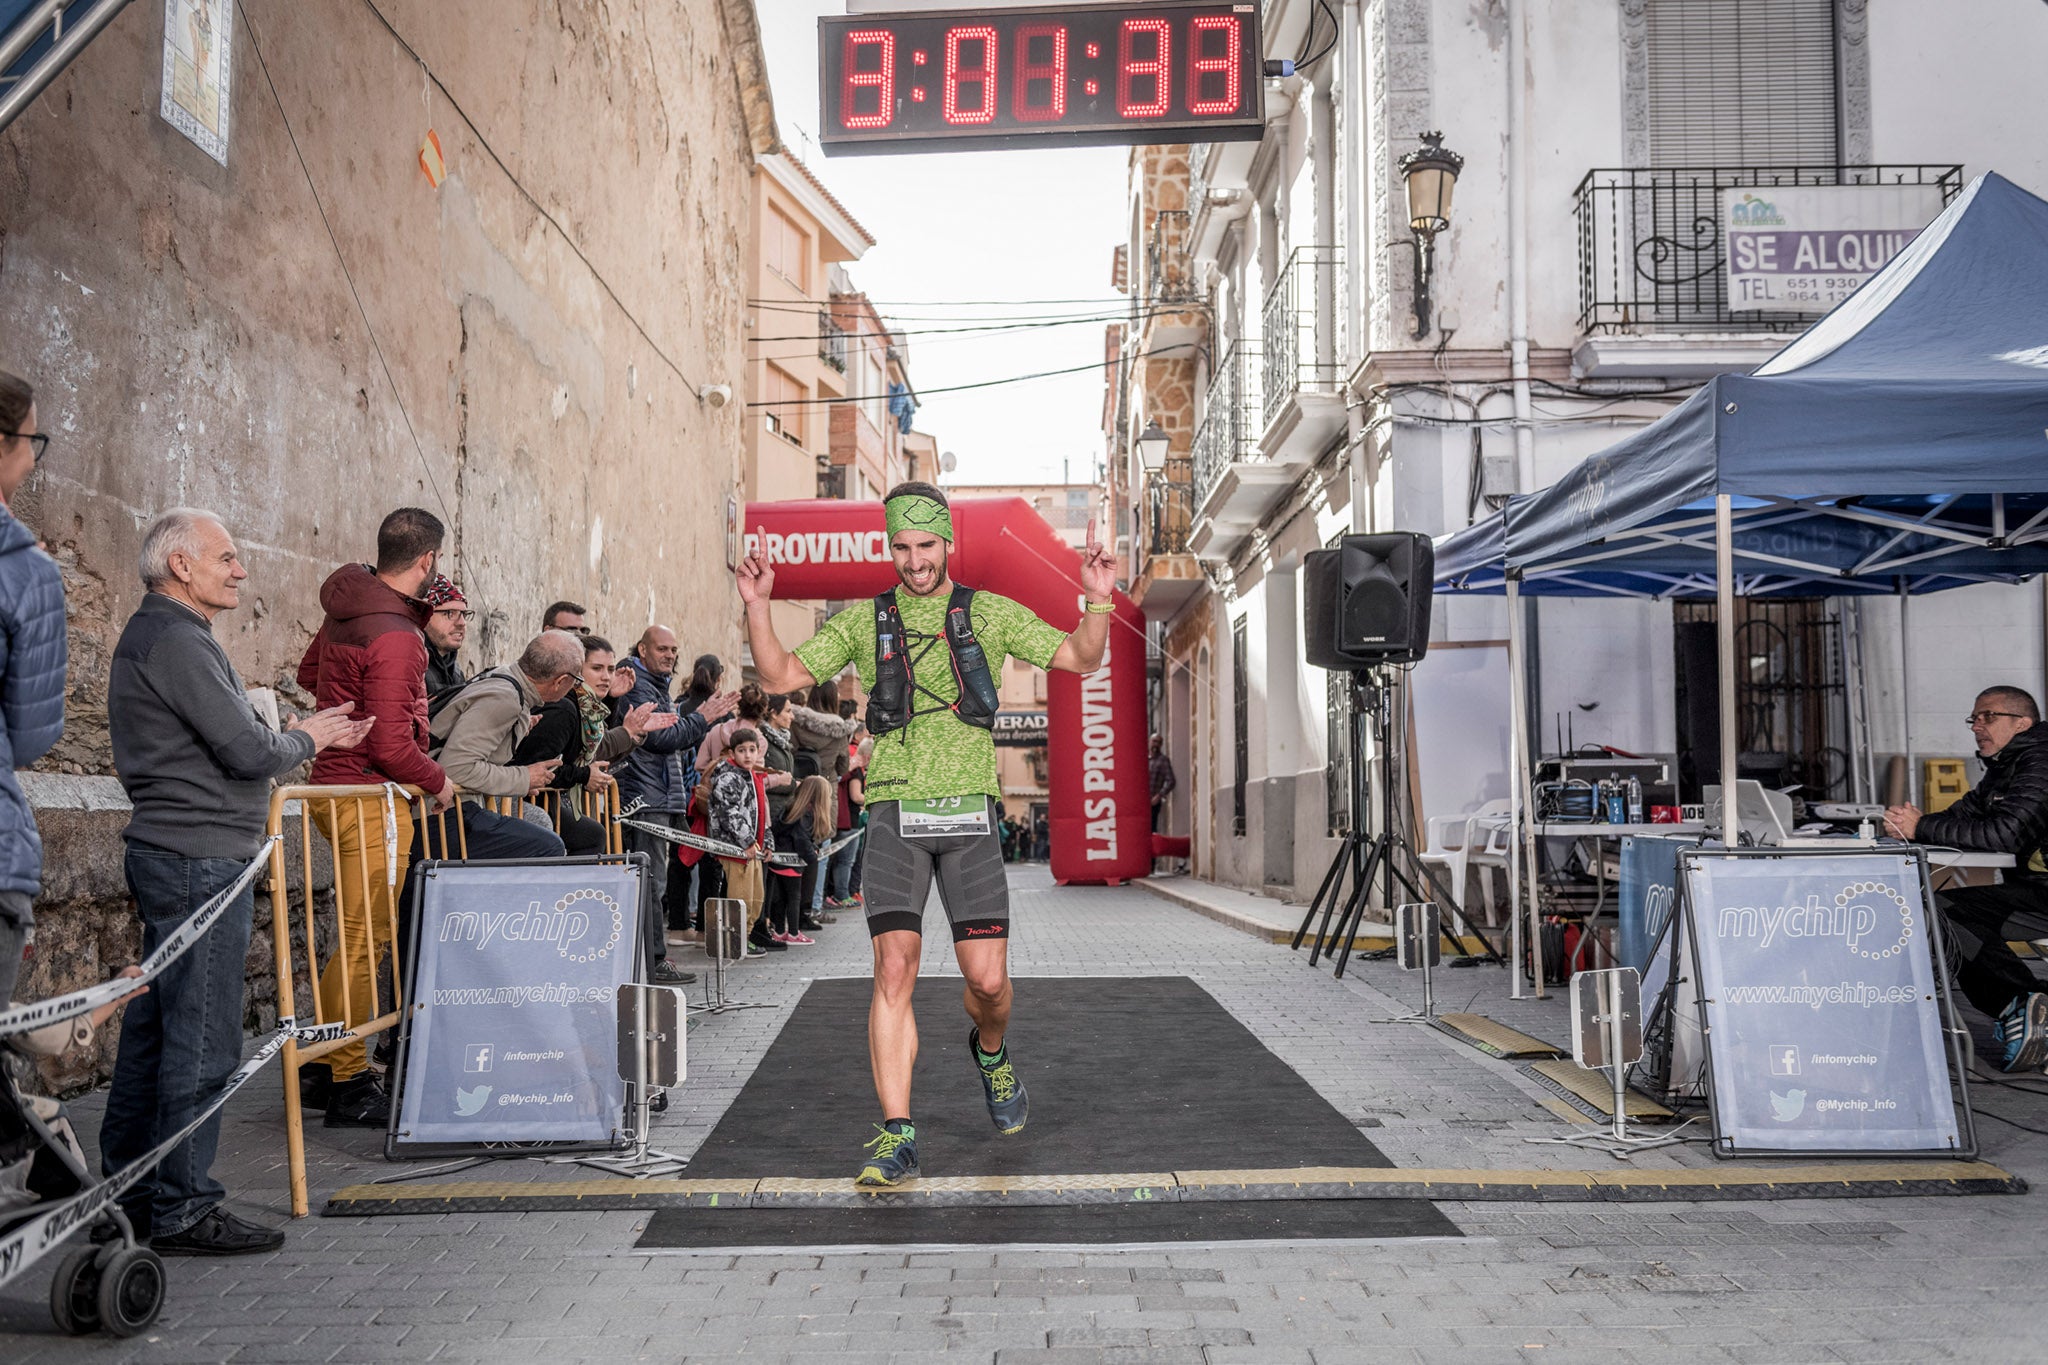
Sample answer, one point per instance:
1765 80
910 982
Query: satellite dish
948 462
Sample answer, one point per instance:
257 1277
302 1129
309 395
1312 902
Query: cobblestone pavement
1800 1280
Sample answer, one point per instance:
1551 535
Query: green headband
915 512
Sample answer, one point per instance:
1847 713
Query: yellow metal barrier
357 951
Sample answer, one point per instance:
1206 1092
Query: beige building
799 357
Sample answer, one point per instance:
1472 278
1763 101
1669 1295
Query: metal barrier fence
369 816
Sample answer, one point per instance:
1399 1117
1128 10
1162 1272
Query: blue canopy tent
1900 445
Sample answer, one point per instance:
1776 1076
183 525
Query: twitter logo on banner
468 1102
1784 1108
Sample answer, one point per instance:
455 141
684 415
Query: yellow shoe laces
886 1143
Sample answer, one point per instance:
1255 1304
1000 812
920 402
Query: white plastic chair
1481 840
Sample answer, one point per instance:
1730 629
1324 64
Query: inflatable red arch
1099 771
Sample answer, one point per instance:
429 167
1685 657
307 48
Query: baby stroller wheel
131 1291
74 1293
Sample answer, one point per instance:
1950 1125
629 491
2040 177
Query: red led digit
982 75
1131 70
1051 40
1226 64
882 44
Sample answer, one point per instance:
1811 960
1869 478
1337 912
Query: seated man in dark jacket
2005 813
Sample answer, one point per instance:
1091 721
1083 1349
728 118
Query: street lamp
1430 172
1153 444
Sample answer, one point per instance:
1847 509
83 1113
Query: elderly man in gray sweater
197 764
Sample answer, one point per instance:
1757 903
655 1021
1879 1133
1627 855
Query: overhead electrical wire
957 388
992 327
1114 299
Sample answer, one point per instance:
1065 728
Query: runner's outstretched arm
778 669
1081 652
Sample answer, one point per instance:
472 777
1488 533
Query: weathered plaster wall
546 316
313 334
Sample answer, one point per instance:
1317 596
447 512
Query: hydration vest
891 705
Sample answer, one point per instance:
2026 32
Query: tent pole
1906 688
1724 591
1517 768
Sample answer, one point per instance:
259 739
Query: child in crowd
804 828
736 811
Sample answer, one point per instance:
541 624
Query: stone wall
314 334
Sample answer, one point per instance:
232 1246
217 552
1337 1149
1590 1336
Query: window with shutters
1741 82
785 396
786 248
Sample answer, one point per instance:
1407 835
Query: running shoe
2023 1033
892 1158
1008 1104
798 940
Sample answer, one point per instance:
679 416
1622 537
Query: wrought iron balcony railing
1299 337
1170 512
831 342
1229 430
1651 256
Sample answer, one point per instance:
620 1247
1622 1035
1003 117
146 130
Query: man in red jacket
371 650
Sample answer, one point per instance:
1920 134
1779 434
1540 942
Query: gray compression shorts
897 876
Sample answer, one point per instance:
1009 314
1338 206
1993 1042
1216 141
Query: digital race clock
1181 70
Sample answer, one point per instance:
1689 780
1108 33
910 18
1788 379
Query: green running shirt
937 754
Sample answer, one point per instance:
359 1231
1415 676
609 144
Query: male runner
931 786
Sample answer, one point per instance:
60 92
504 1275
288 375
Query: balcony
1218 174
1302 382
1652 259
1168 576
831 342
1235 485
1171 318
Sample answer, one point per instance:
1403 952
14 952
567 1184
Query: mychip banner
1818 993
515 1033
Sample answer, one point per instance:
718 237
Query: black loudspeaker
1367 601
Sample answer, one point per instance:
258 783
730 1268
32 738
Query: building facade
481 257
1350 374
801 361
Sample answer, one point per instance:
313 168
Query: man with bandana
926 656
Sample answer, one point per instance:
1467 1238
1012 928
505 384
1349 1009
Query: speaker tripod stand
1364 859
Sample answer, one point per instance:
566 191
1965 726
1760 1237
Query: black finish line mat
1144 1074
1048 1225
1125 1074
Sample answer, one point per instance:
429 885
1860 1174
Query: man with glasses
2007 812
32 660
447 627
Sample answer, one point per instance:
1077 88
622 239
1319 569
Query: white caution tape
42 1013
28 1243
392 795
716 847
841 842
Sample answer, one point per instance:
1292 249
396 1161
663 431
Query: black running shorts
897 876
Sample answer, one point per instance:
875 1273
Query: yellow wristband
1102 608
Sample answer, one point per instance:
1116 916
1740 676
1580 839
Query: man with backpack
928 652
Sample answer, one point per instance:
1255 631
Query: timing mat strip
1839 1180
1595 1088
1491 1036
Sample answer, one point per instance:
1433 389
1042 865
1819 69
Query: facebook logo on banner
476 1057
1784 1060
